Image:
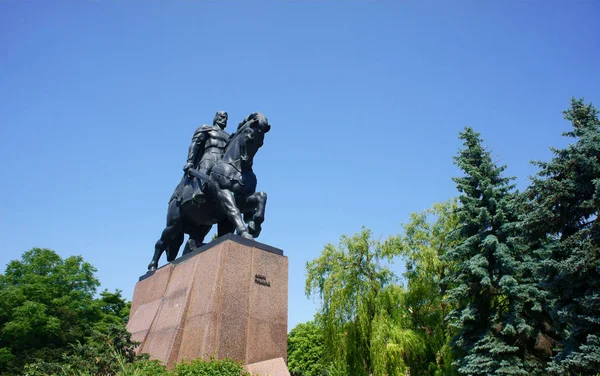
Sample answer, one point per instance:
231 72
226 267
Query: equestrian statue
218 187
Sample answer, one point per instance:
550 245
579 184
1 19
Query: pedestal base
273 367
228 299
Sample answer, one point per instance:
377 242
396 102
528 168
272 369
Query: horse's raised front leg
227 203
255 204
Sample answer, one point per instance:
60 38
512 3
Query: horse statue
228 197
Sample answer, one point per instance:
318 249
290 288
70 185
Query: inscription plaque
261 280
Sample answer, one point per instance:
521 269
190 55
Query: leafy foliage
363 324
121 366
51 323
143 367
472 303
498 311
563 221
426 239
104 353
199 367
48 312
394 346
496 285
306 350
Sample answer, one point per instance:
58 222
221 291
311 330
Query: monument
227 298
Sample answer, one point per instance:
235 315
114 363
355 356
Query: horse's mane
255 116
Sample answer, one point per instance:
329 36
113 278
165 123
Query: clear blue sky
99 100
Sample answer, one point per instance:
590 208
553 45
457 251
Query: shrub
198 367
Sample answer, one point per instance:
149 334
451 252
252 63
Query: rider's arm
196 148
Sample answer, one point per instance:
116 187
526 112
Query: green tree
498 312
102 353
426 239
563 221
47 307
306 350
364 327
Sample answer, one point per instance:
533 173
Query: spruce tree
494 283
565 200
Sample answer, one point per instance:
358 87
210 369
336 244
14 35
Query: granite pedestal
228 299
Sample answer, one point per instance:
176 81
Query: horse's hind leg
160 246
224 227
196 239
174 245
171 232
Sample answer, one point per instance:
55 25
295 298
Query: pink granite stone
200 337
143 316
158 345
269 303
206 287
271 367
151 288
234 282
169 314
141 321
269 340
139 337
232 340
228 301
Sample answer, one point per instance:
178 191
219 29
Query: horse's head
255 120
248 138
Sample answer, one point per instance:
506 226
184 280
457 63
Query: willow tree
366 331
426 239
